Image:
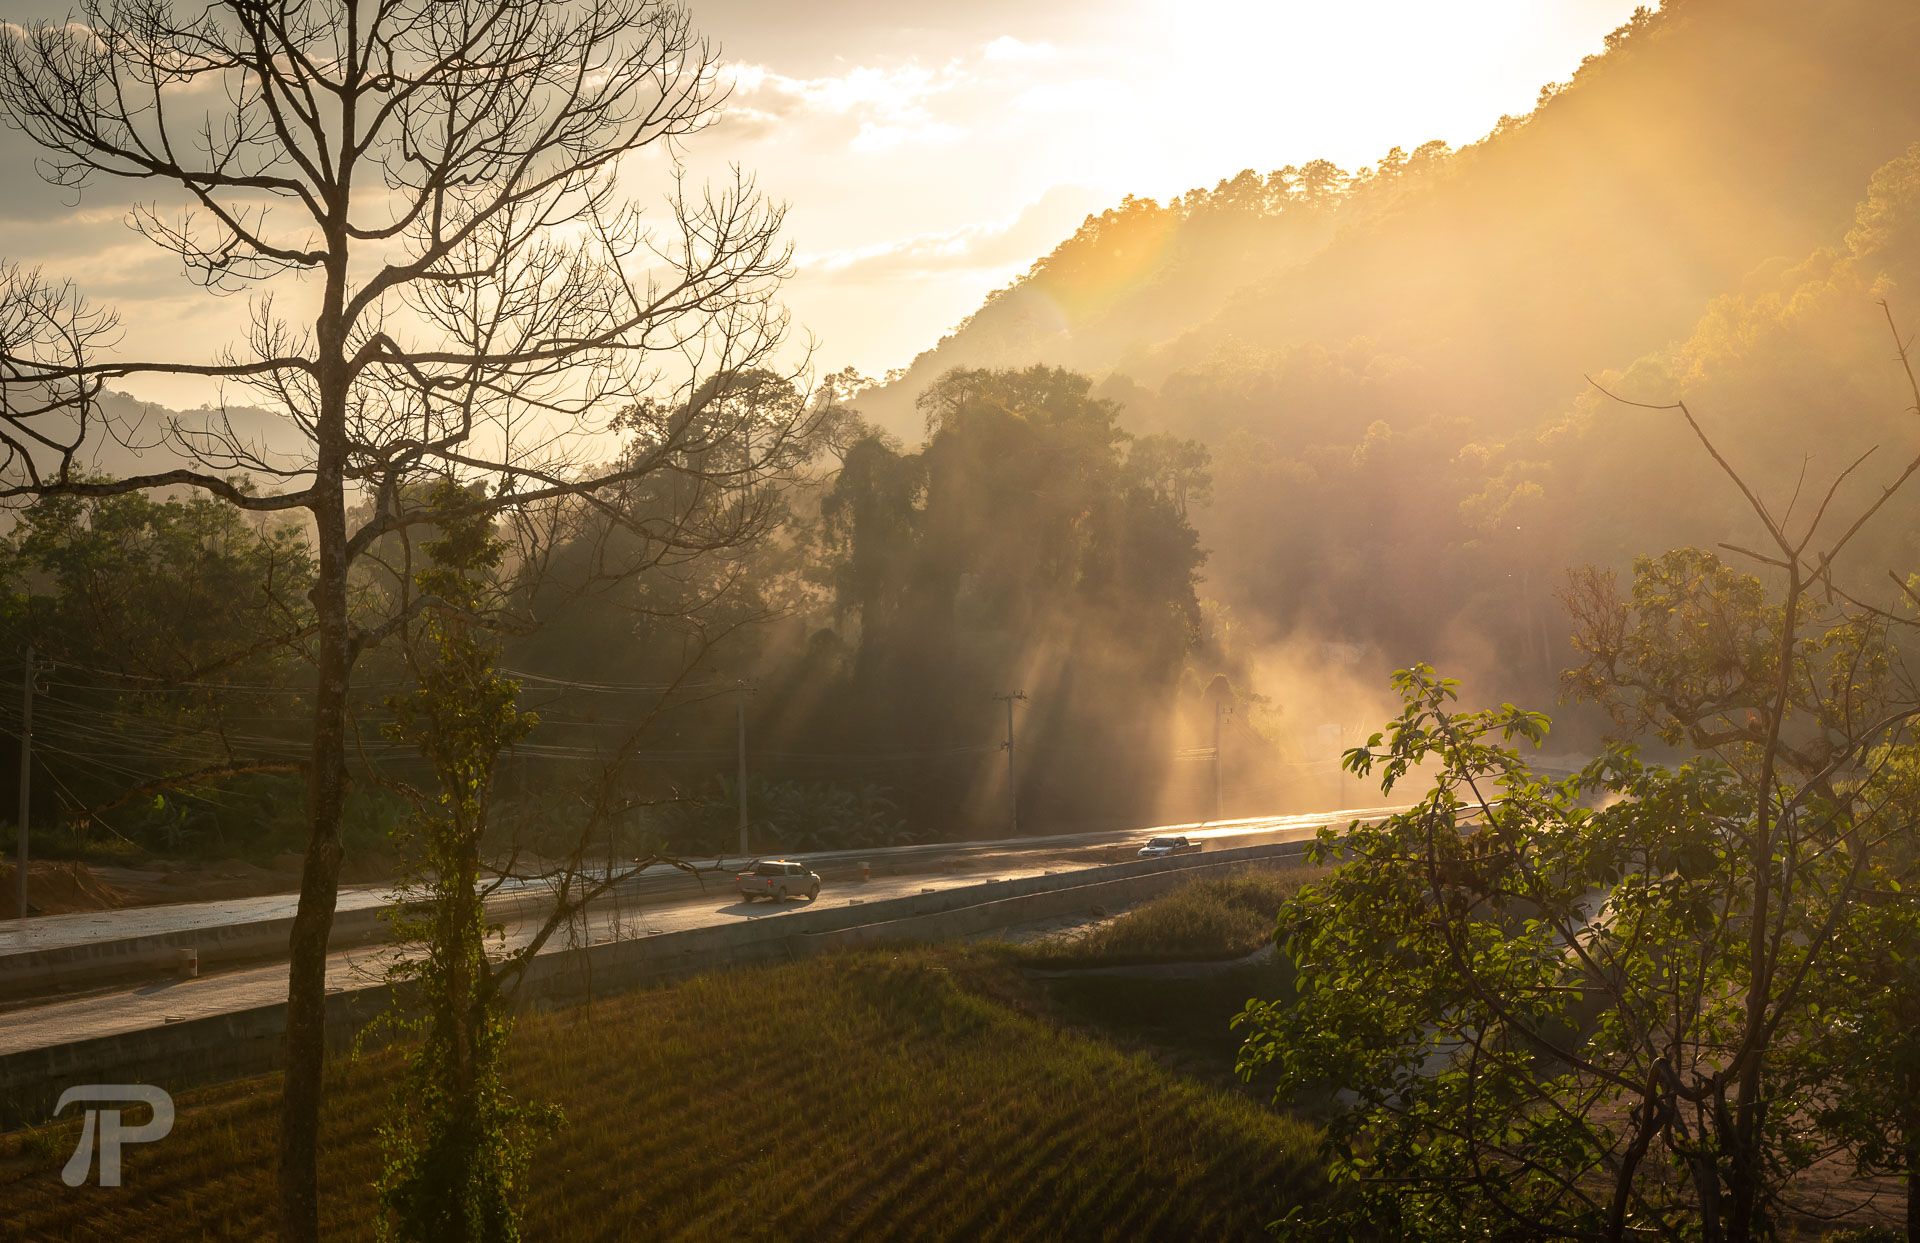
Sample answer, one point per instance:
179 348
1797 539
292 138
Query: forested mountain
1711 139
1390 367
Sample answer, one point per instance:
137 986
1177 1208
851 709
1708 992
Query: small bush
1204 919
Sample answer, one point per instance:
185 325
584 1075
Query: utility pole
21 853
1220 693
1219 710
1013 785
746 467
741 704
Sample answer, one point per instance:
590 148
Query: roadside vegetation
1649 1000
884 1095
1206 919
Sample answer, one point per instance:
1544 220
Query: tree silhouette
436 187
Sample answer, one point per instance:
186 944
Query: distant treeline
1031 547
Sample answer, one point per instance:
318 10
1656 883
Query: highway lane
114 1010
907 871
664 883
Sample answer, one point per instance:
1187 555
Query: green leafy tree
457 1144
150 609
1602 1006
1509 1038
1031 543
1852 1064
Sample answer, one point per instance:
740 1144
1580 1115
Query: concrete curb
24 973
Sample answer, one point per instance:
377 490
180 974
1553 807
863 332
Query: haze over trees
1030 544
1366 391
1636 1002
1388 364
1239 451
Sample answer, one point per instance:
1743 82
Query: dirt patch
199 882
59 888
1045 931
234 878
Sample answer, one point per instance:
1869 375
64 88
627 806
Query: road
898 872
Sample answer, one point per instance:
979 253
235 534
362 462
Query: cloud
1084 95
888 105
921 131
1009 49
999 248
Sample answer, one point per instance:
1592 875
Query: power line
541 679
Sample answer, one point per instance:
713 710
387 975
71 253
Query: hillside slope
904 1095
1708 140
1407 456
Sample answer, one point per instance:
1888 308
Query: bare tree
1811 702
1643 1000
436 185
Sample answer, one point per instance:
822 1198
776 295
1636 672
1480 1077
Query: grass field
1206 918
918 1094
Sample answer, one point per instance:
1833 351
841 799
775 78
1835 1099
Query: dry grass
1205 919
883 1095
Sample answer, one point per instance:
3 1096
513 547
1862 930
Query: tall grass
882 1095
1207 918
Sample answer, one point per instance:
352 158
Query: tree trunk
1646 1120
461 950
468 1012
1745 1164
305 1046
1913 1194
1706 1186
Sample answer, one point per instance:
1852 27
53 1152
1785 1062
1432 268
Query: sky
929 152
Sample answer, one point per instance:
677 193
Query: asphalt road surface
666 903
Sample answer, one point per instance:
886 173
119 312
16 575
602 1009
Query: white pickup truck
777 880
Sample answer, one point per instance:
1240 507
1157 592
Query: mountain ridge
1708 139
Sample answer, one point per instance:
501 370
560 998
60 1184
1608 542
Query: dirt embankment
58 888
